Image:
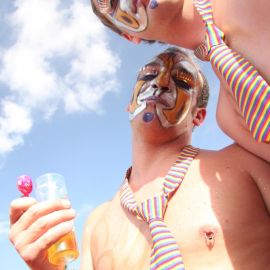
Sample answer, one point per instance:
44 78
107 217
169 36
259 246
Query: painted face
126 14
169 82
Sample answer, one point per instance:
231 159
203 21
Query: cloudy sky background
65 81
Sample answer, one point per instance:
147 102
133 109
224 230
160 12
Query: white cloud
14 123
60 57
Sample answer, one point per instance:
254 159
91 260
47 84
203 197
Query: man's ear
199 116
131 38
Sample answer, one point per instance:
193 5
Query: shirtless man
219 216
245 24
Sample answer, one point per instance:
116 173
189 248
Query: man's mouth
130 15
155 99
129 6
109 6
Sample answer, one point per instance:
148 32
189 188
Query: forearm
251 92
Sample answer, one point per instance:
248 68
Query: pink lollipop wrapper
25 185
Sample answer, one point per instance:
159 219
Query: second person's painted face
168 82
128 15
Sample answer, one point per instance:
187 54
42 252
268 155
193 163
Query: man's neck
190 28
151 161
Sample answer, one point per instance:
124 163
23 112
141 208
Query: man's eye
182 84
148 77
183 79
148 73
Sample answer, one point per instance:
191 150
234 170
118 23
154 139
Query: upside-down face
169 83
129 15
138 20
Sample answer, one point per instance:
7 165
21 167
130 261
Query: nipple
209 235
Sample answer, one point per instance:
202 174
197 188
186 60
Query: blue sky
65 82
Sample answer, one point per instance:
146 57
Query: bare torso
246 28
217 196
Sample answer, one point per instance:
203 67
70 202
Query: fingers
30 220
18 207
30 252
35 226
45 223
37 210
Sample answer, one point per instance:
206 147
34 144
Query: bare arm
36 226
87 257
259 170
232 123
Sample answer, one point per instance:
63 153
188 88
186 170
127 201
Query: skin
245 24
34 227
211 199
180 79
222 195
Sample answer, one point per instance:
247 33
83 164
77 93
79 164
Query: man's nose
162 81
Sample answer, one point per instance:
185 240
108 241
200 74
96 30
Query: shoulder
87 252
236 158
232 153
100 229
240 164
97 213
102 214
244 157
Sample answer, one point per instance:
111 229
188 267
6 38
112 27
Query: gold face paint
181 107
126 14
169 82
126 19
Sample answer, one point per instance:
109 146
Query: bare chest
209 230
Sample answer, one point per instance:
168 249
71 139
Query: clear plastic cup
52 186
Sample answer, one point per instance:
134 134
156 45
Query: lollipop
24 184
